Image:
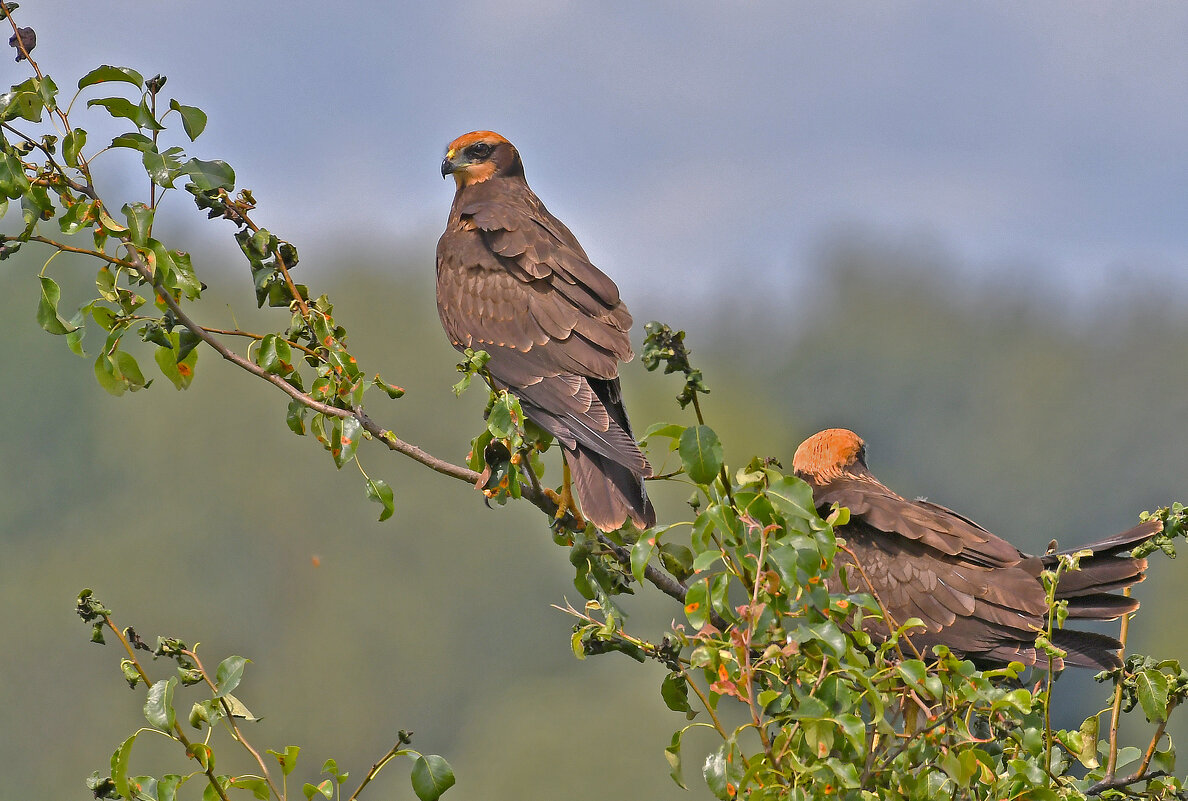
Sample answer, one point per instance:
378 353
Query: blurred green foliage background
199 515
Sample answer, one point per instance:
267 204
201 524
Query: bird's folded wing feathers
930 524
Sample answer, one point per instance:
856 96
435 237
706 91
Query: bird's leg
564 499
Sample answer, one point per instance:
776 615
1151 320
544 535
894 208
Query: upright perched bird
513 281
975 592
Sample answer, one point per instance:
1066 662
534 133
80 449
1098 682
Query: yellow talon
564 499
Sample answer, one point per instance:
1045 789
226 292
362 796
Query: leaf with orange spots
697 604
344 439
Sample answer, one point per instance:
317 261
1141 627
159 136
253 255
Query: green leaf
208 175
47 308
379 491
325 787
23 101
913 671
295 417
1151 687
818 736
120 107
13 181
109 224
130 370
106 376
158 709
960 765
431 776
641 552
75 337
238 709
203 712
344 439
36 206
167 787
697 608
258 786
793 497
577 641
288 759
701 454
78 216
164 167
119 766
267 356
229 674
72 143
670 430
134 141
186 342
714 772
47 89
1088 752
705 559
673 754
675 692
330 766
110 73
183 273
391 390
193 119
506 418
140 222
677 559
202 755
180 373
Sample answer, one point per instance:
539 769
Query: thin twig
1116 711
85 189
402 740
752 618
705 702
230 718
178 734
20 44
236 332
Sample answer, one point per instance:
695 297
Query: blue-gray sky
684 140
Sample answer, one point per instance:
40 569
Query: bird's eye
480 150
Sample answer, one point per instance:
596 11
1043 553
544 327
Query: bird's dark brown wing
929 523
974 591
513 280
945 591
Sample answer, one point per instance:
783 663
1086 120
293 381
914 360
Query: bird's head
479 156
830 454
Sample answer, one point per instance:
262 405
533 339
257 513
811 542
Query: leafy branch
431 774
309 361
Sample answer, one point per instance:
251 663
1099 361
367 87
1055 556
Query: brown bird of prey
513 281
975 592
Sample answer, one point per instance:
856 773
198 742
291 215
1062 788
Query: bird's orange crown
467 139
828 453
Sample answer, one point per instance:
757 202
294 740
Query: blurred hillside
200 515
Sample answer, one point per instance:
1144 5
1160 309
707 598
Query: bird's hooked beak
452 162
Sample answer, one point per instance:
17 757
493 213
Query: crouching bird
513 281
975 592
